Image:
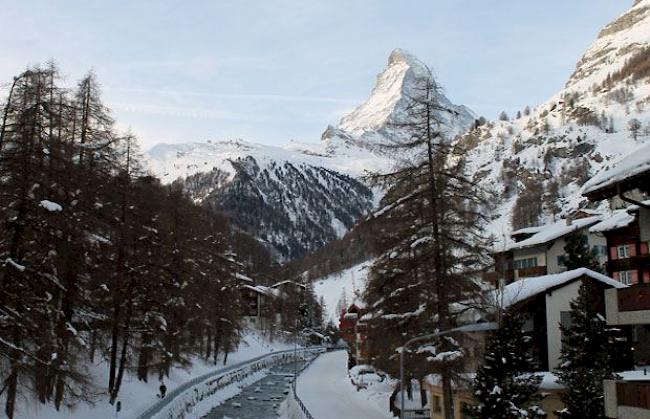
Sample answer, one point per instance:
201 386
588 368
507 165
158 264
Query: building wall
538 252
644 224
556 249
598 239
556 302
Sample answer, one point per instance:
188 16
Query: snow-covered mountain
300 196
377 121
294 199
537 161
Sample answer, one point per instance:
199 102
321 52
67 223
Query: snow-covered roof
525 288
552 232
619 219
281 283
268 290
633 164
527 230
258 289
243 277
477 327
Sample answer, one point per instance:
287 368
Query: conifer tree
430 240
504 385
96 257
579 255
586 358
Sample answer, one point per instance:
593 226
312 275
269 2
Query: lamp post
401 362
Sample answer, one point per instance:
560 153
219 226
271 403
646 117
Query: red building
353 331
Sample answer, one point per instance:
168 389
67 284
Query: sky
271 71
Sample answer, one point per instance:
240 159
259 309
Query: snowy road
327 392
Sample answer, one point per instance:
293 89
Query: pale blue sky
270 71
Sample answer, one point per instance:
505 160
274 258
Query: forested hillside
99 260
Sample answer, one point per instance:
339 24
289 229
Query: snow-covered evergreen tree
579 255
586 359
504 386
430 238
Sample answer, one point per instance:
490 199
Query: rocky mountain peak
617 42
386 106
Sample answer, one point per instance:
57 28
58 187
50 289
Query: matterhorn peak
402 56
387 102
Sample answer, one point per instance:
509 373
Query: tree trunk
143 358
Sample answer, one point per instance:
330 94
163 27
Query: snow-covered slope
341 289
300 196
294 199
135 395
537 162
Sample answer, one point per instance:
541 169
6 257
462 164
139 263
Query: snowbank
136 396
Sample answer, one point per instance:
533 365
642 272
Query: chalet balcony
634 298
531 271
627 306
627 399
494 277
627 264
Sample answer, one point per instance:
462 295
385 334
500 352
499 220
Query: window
525 263
561 259
599 250
623 252
625 277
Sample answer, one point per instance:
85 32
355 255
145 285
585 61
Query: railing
627 264
531 271
633 394
302 407
493 277
180 402
634 298
299 402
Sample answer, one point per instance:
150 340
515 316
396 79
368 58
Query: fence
180 402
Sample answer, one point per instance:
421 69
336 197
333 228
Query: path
326 390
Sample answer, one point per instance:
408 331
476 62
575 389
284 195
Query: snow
635 163
553 231
243 277
50 206
257 289
15 265
333 287
619 219
327 392
136 396
172 161
525 288
387 93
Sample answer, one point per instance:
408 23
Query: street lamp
401 362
